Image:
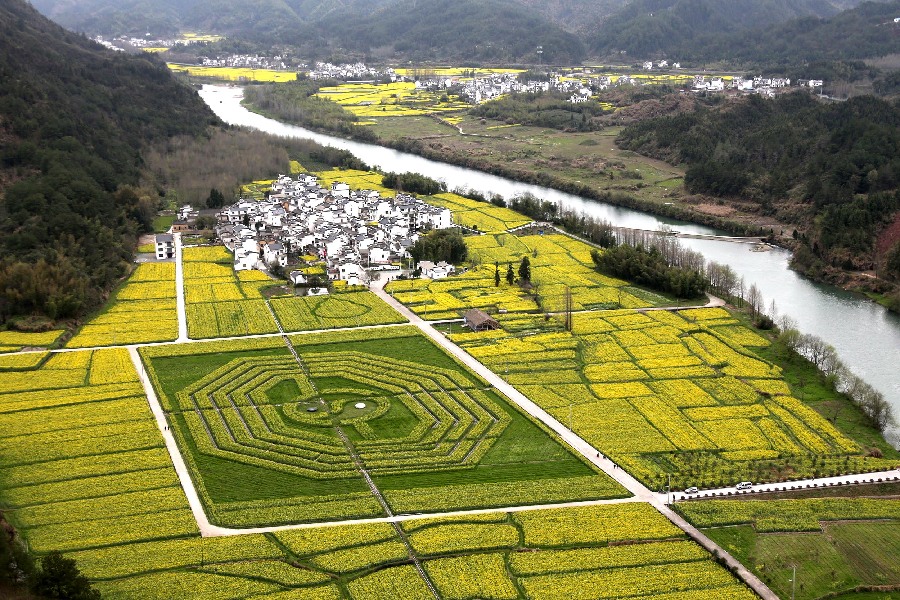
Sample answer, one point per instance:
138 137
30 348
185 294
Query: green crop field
837 545
271 440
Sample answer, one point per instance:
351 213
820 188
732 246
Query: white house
297 277
379 255
165 246
275 253
352 273
246 254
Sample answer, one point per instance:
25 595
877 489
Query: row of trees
295 102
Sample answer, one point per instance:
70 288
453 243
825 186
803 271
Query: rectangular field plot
218 302
83 462
557 262
351 309
836 544
143 310
669 392
273 441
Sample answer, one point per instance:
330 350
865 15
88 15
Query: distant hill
168 17
443 30
162 17
650 28
74 118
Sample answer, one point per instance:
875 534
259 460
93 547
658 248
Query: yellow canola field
143 310
664 393
400 99
235 73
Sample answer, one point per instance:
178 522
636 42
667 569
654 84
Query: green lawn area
836 545
162 223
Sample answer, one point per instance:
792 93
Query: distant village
352 232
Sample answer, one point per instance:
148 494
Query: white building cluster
247 61
325 70
766 86
352 231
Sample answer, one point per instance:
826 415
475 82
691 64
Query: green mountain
168 17
163 17
833 169
866 31
442 30
650 28
74 118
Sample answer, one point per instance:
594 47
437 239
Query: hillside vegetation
467 30
73 120
835 168
750 31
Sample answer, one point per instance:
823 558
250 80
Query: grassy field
141 310
837 545
428 432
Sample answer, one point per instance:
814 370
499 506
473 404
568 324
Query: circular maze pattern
230 415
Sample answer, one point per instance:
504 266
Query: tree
525 270
510 274
496 274
205 222
59 577
440 245
216 199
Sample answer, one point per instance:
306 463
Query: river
866 336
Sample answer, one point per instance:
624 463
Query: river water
866 336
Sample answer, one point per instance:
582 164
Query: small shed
478 320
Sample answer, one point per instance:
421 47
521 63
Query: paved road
821 482
184 476
640 492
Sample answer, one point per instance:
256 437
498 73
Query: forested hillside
257 17
73 120
750 31
463 30
834 169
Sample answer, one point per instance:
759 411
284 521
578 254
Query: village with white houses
352 232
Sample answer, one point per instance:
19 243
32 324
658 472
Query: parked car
744 485
691 490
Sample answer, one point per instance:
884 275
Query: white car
744 485
691 490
